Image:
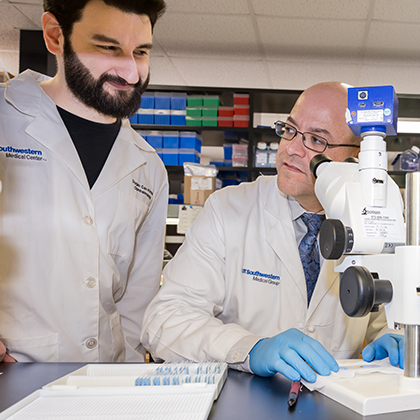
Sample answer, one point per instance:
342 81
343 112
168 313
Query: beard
90 91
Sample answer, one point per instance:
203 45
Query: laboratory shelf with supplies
261 106
265 106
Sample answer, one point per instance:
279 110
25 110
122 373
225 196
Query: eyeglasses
310 141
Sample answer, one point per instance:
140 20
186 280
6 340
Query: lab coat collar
126 155
281 238
25 94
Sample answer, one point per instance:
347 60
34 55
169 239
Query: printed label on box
370 115
201 183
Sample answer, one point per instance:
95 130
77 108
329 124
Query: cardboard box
198 188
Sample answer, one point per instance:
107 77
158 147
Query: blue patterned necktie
309 252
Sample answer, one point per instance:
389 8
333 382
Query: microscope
377 256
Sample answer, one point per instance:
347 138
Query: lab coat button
235 356
91 343
311 328
90 282
88 219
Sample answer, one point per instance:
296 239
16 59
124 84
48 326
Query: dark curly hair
68 12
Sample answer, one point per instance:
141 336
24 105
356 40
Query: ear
53 35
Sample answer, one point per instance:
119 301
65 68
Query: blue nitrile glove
291 353
391 345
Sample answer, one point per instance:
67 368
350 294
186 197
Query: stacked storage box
202 110
170 147
189 147
161 108
174 147
178 108
146 113
225 117
241 110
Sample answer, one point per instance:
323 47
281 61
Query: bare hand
4 357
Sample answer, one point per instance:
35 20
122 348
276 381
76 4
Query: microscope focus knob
361 293
335 239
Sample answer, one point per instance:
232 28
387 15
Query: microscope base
372 393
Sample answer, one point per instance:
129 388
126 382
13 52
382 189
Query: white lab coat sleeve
144 274
378 326
182 320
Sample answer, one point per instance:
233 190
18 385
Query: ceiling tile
302 74
315 37
206 36
9 40
11 61
11 18
397 11
156 51
315 9
401 42
236 7
223 73
163 72
26 1
403 78
33 13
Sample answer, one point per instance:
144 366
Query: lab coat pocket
129 215
33 349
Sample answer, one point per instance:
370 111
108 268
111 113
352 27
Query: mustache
117 79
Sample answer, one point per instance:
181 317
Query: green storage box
210 111
193 121
211 101
194 100
194 111
209 121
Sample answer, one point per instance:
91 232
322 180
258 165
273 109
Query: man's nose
296 146
127 69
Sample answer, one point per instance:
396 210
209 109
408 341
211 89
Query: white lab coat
238 278
78 266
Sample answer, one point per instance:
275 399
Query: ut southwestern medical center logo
23 154
265 278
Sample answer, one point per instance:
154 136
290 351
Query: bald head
321 110
330 100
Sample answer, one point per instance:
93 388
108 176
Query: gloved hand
291 353
391 345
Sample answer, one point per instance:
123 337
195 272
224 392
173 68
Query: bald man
242 287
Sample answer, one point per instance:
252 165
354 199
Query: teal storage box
162 116
227 150
190 140
162 100
179 101
146 116
155 139
171 140
178 117
170 156
133 119
188 155
147 100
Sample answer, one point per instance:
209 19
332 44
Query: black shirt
93 142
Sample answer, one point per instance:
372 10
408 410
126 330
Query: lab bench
243 396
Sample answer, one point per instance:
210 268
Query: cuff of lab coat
237 357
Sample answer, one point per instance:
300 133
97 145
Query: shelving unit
269 101
260 101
